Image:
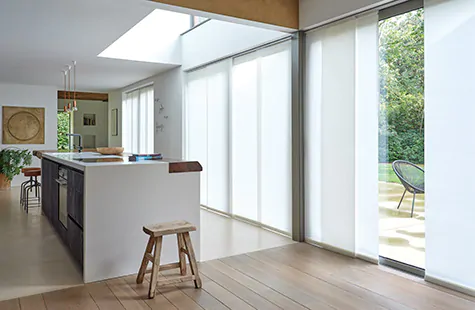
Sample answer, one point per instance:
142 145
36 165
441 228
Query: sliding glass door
261 137
207 131
239 128
341 125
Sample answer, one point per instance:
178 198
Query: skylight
153 39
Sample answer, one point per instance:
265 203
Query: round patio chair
412 177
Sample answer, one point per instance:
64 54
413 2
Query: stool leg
192 258
27 198
181 254
21 193
156 267
143 266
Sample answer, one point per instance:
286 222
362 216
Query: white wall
314 12
100 130
32 96
169 92
217 39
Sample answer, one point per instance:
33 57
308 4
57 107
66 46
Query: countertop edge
174 165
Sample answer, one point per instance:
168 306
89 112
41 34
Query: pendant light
65 73
74 108
71 105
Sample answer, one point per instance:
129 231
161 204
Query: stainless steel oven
62 180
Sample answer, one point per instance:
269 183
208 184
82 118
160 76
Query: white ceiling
38 38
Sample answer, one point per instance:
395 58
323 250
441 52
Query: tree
63 129
401 51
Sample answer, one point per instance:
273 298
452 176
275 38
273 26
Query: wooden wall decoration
80 95
23 125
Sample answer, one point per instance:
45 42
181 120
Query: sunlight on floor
402 238
33 259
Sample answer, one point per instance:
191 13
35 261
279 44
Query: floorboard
291 277
12 304
34 302
103 296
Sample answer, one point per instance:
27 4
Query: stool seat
170 228
23 170
32 173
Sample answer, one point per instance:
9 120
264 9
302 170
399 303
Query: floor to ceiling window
238 116
401 138
261 137
137 121
207 132
341 125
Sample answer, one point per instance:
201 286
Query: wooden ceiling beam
84 96
283 13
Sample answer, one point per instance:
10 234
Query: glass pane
275 141
218 137
244 140
401 137
197 140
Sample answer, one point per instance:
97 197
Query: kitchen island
98 205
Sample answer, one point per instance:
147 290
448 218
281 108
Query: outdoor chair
412 177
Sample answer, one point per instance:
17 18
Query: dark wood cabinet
72 233
50 190
76 196
75 241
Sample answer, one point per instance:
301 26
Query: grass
386 174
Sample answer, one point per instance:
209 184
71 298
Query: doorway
401 139
64 127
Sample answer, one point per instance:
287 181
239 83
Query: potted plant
12 160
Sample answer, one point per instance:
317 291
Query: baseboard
368 259
342 251
450 285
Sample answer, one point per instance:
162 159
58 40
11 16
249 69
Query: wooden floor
297 276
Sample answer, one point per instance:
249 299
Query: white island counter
119 197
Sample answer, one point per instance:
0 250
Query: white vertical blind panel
218 136
135 121
366 133
244 140
341 119
197 138
147 119
449 143
150 128
126 122
275 140
338 136
142 108
313 132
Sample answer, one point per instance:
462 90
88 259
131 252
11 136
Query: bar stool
28 186
156 232
24 184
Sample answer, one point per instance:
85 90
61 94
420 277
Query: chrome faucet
79 147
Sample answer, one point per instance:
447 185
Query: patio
402 238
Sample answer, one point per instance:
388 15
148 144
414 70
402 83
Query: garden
401 135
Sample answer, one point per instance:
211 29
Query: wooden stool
156 232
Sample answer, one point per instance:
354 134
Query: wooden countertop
174 165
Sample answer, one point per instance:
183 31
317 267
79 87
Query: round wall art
23 125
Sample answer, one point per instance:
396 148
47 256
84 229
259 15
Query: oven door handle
61 182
